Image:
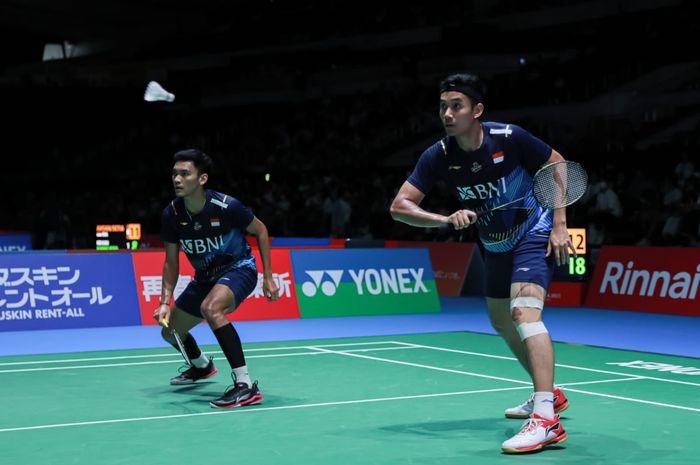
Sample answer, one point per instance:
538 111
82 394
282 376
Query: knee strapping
532 302
527 330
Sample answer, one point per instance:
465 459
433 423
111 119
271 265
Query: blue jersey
214 238
499 171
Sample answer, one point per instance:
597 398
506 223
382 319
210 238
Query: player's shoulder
174 207
437 149
502 130
221 200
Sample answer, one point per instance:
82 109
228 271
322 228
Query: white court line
566 385
630 399
128 357
573 367
629 377
257 409
417 365
177 359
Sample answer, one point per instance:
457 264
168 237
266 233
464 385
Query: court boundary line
560 365
123 357
258 409
630 377
178 359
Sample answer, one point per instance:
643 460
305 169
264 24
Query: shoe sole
255 400
519 450
216 370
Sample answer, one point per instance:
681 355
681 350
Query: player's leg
502 322
498 266
184 316
231 289
497 290
530 278
543 426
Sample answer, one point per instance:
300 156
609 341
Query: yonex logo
370 280
327 287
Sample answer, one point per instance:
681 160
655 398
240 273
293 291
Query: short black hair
199 159
467 84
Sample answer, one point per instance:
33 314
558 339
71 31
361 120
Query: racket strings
560 184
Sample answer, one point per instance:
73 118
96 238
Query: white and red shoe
536 433
525 409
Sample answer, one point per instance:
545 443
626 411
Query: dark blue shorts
241 281
526 263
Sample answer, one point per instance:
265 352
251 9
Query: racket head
560 184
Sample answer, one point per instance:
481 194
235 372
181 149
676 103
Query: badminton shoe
194 374
239 395
536 433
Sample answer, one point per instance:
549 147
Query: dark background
336 101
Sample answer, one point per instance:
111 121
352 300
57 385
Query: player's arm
258 229
559 240
171 270
406 208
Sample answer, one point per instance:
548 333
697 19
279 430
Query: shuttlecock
155 92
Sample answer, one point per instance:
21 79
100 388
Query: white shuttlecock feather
155 92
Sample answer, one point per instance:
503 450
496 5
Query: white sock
544 405
241 375
201 362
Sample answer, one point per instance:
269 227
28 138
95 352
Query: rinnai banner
149 268
649 279
364 282
59 291
450 262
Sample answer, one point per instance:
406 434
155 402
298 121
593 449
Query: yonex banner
450 260
57 291
364 282
649 279
149 269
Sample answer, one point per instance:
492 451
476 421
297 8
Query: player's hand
462 219
162 314
271 290
560 244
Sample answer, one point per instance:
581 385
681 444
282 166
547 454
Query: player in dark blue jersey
486 165
210 227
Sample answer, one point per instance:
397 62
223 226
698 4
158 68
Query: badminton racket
178 341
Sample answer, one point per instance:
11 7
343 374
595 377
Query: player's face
456 113
186 178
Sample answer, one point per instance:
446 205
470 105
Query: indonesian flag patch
497 157
215 222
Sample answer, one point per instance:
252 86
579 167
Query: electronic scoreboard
577 268
117 236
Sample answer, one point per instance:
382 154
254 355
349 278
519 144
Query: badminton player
487 164
210 227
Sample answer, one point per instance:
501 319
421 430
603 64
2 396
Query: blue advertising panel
364 282
59 291
15 242
300 242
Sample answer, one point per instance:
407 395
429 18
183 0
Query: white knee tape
532 302
531 329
